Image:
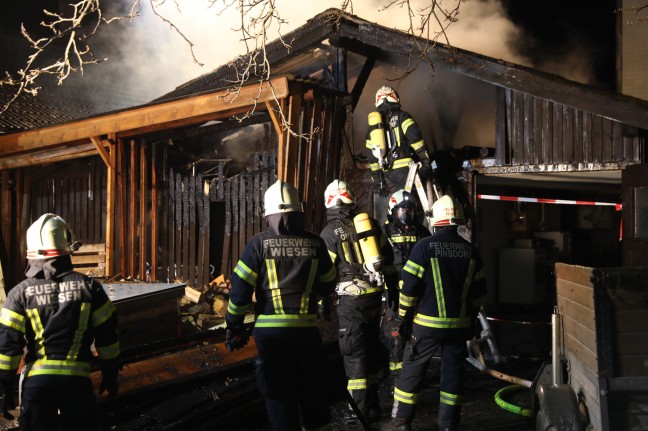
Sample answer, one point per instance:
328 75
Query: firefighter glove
392 296
425 171
403 328
324 309
109 379
9 403
236 338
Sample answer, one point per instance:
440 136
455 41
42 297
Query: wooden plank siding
604 321
539 132
164 226
575 299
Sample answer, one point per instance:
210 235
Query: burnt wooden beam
361 81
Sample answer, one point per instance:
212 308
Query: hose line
509 406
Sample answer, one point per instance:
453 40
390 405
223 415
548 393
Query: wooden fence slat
547 131
184 243
227 240
132 239
143 215
578 135
190 245
529 136
567 155
588 155
537 130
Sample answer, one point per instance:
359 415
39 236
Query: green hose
512 407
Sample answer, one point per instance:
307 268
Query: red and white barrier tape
616 206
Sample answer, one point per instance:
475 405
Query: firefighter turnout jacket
404 138
57 314
403 238
288 274
441 280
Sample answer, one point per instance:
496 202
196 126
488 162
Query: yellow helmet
281 197
446 211
49 236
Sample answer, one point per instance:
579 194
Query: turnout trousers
50 402
359 332
419 351
292 375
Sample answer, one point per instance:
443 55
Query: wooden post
111 178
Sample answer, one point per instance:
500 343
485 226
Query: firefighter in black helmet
403 232
443 280
393 140
360 290
288 269
57 314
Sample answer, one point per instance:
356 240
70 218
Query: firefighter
56 315
360 286
403 231
443 280
288 270
393 140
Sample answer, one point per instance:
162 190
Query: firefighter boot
400 425
448 419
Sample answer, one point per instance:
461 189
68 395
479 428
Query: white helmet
281 198
401 198
337 193
49 236
447 212
386 93
402 206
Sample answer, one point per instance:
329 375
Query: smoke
148 56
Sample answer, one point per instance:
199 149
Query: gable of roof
340 29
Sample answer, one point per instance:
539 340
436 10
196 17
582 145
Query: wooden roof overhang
373 41
92 136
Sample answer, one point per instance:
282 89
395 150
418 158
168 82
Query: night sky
552 27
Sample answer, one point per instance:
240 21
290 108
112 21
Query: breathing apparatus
369 247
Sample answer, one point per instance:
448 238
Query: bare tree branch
260 21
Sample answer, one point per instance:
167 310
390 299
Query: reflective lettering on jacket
287 274
441 279
56 323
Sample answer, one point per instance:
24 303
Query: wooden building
172 190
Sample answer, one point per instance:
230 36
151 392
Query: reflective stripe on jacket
287 274
58 320
441 280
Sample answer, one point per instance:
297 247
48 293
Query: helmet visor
405 215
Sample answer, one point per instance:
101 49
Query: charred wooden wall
536 131
170 225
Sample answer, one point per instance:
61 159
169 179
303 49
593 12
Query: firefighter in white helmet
56 315
443 281
393 140
288 270
403 232
359 292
